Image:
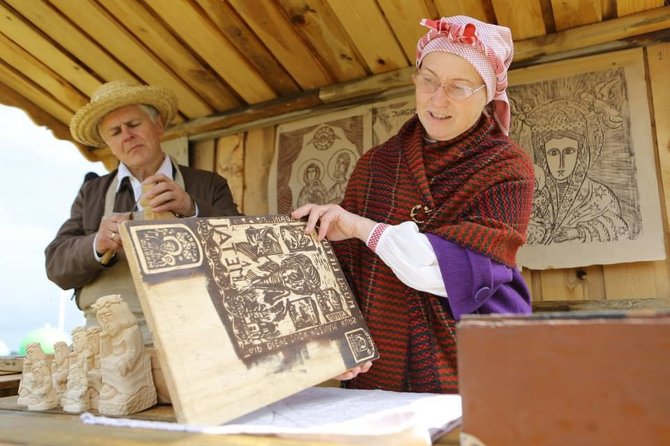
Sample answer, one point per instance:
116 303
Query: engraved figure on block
261 242
256 314
304 313
287 288
169 247
295 238
59 368
299 274
331 305
127 383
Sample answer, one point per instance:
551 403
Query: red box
566 379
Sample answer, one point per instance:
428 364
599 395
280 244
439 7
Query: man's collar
123 171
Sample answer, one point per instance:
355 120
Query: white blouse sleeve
410 256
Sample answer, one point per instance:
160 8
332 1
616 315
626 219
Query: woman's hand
353 373
333 222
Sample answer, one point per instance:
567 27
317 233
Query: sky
40 180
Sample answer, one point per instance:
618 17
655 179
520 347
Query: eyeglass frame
444 86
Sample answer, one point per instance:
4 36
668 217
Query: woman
441 208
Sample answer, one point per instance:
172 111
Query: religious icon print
589 136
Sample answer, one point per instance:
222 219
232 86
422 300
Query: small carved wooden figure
127 384
60 367
34 353
76 397
149 213
42 396
93 365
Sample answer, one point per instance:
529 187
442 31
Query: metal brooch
414 212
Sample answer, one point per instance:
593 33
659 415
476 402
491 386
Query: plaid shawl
476 191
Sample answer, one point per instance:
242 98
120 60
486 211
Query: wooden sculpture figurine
93 365
127 384
149 213
77 395
60 367
76 398
42 396
26 383
34 391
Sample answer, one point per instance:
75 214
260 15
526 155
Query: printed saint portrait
593 163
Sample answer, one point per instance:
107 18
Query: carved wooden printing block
243 311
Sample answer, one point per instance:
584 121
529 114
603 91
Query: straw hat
116 94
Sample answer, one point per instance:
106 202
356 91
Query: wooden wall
245 159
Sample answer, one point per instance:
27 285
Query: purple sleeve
477 284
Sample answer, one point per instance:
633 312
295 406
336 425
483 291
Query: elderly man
129 119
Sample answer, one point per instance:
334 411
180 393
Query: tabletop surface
55 428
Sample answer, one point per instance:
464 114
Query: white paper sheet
371 417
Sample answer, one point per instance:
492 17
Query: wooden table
55 428
9 384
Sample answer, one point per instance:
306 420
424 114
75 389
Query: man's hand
167 196
334 223
108 238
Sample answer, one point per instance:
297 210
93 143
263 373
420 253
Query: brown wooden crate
595 378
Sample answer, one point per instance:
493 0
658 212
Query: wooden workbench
55 428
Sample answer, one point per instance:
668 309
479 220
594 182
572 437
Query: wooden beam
271 26
68 36
318 25
253 113
123 45
371 33
404 18
34 93
137 18
396 82
213 48
627 7
479 9
572 13
33 69
224 17
33 41
525 18
591 35
258 152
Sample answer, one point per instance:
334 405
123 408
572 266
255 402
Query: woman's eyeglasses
458 91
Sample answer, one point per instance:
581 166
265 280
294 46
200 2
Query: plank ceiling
224 57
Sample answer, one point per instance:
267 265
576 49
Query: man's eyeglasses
458 91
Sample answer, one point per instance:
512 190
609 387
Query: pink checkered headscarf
489 48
